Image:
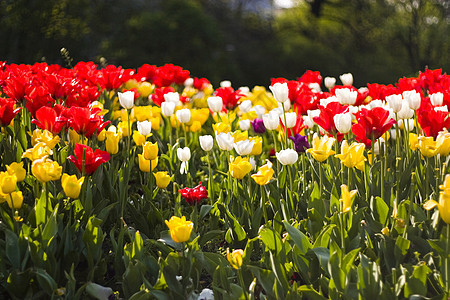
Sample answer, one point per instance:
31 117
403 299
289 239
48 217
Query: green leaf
12 248
324 237
382 210
417 283
50 229
299 238
46 282
204 210
271 239
401 248
336 272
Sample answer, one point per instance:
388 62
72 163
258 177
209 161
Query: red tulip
169 74
50 119
326 118
158 95
194 195
7 111
372 124
86 121
229 96
112 77
92 160
430 120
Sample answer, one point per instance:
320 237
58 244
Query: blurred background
245 41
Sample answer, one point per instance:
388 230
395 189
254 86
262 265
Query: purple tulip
300 142
258 126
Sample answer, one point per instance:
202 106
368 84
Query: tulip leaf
299 238
204 210
417 282
46 282
401 248
323 255
271 239
11 248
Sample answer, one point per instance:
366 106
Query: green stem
210 181
241 280
447 269
263 202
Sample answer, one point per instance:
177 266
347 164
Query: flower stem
447 269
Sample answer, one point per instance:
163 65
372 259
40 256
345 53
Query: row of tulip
305 193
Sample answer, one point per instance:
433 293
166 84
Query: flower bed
147 183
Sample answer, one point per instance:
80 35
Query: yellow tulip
71 185
142 113
138 138
75 138
15 200
7 182
199 115
180 229
18 170
443 143
413 141
235 258
156 122
112 142
347 198
444 201
150 150
145 88
321 147
257 146
221 127
123 128
427 146
162 179
240 167
101 136
146 165
353 155
240 135
38 151
195 127
264 174
46 170
44 136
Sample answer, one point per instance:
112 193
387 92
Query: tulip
321 149
437 99
112 141
162 179
244 124
126 99
147 165
239 167
172 97
413 98
427 146
280 91
144 128
215 103
413 141
258 126
244 147
46 170
180 229
264 174
343 122
184 115
92 159
221 127
405 112
352 156
346 96
347 198
395 102
287 156
7 182
245 106
15 200
39 150
150 150
225 141
235 258
291 119
194 195
329 82
271 120
45 137
257 147
17 170
184 154
443 143
225 84
206 142
300 142
167 108
444 201
346 79
71 185
138 138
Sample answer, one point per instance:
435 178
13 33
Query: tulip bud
437 99
259 110
215 104
206 142
280 91
287 156
167 108
162 179
330 82
346 79
150 150
314 87
144 127
343 122
235 258
395 102
184 115
126 99
225 141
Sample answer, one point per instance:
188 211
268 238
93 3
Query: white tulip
184 154
215 103
167 108
244 147
259 110
280 91
189 82
377 103
291 119
346 96
346 79
225 141
437 99
172 97
286 104
343 122
414 99
244 124
126 99
406 112
244 90
326 101
395 102
206 294
225 83
330 82
144 128
112 128
376 146
271 120
287 156
441 108
206 142
406 122
245 106
184 115
315 87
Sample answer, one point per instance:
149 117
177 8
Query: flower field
150 183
